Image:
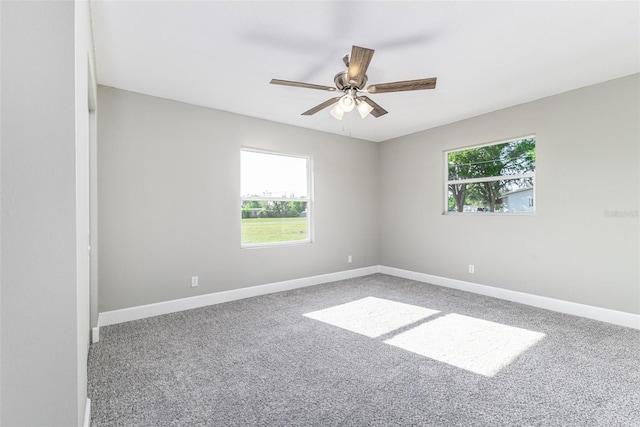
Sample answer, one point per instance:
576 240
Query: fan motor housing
342 82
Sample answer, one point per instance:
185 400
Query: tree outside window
497 177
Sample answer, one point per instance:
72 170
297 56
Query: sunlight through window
372 316
476 345
473 344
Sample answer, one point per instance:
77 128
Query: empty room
327 213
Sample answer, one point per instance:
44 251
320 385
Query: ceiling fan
352 84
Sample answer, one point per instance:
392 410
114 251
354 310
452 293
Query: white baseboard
87 414
591 312
150 310
95 334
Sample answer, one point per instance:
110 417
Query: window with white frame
275 192
494 178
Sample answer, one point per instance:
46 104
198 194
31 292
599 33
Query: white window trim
308 199
492 178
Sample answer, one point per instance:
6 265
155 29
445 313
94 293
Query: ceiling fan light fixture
346 103
337 112
351 83
363 108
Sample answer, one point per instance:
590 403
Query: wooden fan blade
377 110
322 106
419 84
358 64
305 85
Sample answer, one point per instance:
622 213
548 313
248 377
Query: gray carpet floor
261 362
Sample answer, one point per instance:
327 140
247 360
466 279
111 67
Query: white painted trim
87 414
597 313
150 310
95 334
591 312
487 144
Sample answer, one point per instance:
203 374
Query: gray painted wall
587 163
168 208
157 159
44 305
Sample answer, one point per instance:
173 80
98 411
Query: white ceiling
486 55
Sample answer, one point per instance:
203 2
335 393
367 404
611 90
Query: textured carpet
339 354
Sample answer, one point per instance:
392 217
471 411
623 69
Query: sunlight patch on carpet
473 344
371 316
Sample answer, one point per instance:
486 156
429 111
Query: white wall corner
620 318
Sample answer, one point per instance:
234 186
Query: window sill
274 244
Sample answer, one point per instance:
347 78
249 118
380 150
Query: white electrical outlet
472 269
194 281
349 259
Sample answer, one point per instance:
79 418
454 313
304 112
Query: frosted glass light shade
337 112
347 103
364 109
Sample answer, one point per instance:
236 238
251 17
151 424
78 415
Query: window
498 177
275 191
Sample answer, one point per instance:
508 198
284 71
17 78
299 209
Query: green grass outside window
273 230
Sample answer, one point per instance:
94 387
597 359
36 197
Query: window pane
267 176
510 195
273 175
508 158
